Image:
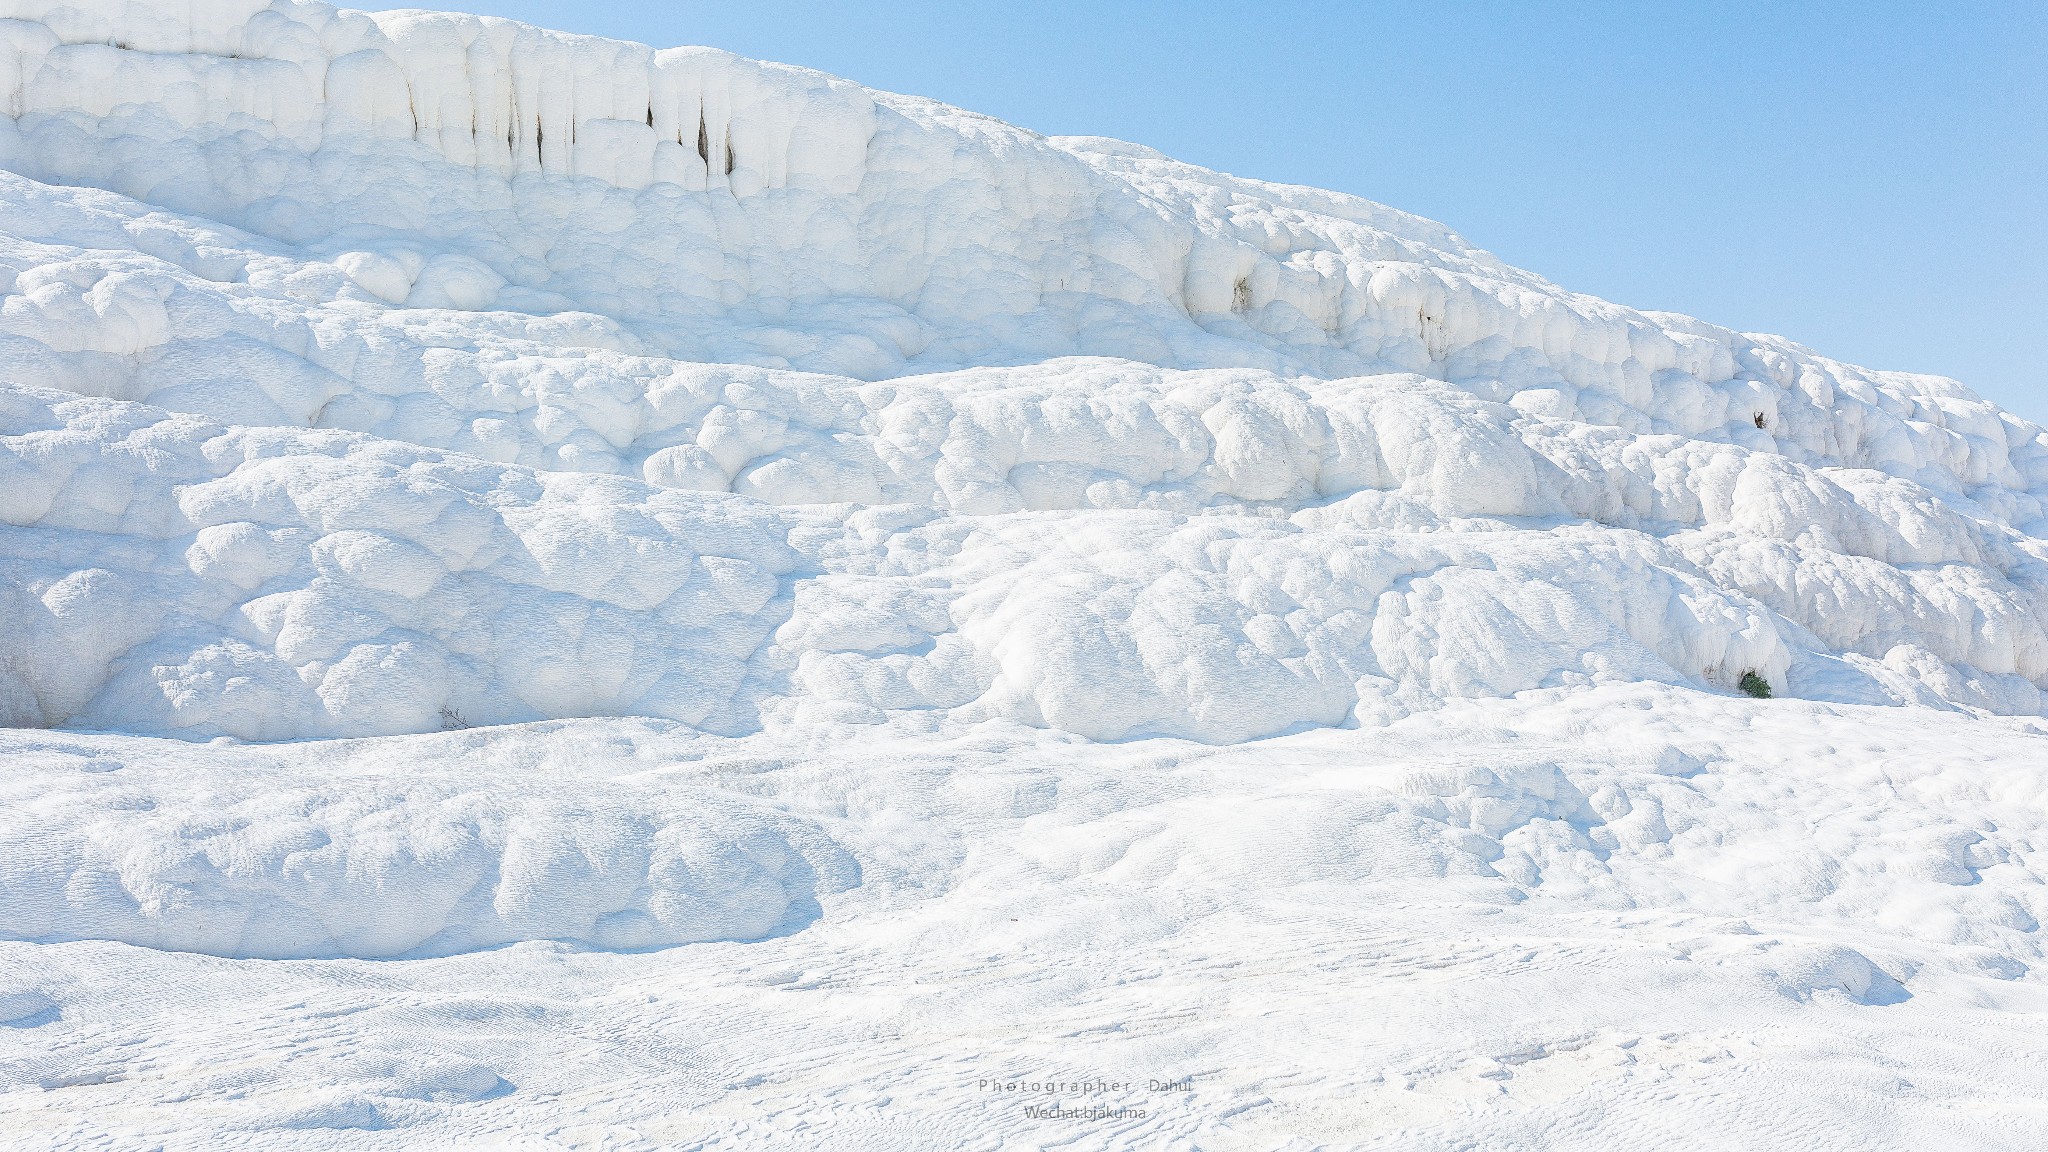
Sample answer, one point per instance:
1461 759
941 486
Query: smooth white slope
1631 916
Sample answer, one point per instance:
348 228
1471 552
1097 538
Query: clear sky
1869 179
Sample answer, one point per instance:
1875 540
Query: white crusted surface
889 537
1366 466
1868 550
1630 915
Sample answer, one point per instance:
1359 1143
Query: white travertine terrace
370 369
558 594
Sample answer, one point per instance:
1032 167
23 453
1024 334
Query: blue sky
1869 179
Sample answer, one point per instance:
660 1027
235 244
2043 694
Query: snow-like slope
1296 459
1018 608
1629 917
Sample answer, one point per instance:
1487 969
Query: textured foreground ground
1630 917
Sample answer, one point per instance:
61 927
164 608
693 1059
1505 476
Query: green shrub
1755 685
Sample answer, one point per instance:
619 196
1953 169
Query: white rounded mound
232 853
366 374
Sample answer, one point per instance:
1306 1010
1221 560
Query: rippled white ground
1634 916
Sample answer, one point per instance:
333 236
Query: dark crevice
703 142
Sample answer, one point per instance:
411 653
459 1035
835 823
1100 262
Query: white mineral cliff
369 369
